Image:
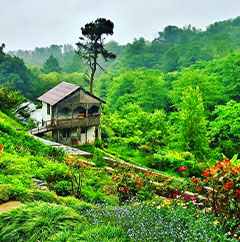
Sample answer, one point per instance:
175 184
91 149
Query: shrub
53 172
63 188
130 185
5 192
172 160
224 197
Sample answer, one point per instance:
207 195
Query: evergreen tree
51 65
91 45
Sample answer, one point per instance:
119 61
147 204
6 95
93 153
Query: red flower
194 180
182 169
206 172
1 147
199 188
237 191
139 185
124 189
228 185
175 195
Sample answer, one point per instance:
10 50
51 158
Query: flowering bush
76 173
130 185
224 197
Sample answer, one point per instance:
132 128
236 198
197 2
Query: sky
26 24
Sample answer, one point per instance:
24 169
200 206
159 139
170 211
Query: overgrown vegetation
172 106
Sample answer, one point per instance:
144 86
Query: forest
172 106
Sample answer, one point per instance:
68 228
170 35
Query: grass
12 122
36 221
47 216
47 222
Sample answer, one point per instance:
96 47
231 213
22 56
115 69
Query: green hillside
173 108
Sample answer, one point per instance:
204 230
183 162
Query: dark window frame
66 133
48 109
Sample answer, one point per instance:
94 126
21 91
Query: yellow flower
136 204
235 235
158 207
229 233
215 222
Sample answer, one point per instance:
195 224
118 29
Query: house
71 114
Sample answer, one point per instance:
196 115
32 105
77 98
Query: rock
109 170
43 188
28 110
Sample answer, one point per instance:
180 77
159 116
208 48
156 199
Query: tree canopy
91 44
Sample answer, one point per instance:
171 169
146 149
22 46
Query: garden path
68 149
9 205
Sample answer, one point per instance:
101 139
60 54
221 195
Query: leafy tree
71 62
43 82
171 59
51 65
192 125
225 129
170 34
9 98
13 71
212 90
91 44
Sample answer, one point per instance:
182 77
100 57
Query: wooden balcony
66 124
76 122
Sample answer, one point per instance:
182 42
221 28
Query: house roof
61 91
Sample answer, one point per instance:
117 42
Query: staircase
41 129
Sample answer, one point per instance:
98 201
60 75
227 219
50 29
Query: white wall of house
91 135
45 115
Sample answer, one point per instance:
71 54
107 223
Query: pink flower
192 198
182 169
185 198
169 198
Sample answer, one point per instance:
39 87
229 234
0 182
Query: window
66 133
48 109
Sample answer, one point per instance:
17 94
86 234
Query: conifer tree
91 44
51 65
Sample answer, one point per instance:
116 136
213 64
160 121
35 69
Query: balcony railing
76 122
66 123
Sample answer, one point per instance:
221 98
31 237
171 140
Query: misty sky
25 24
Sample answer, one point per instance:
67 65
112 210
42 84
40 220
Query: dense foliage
172 106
